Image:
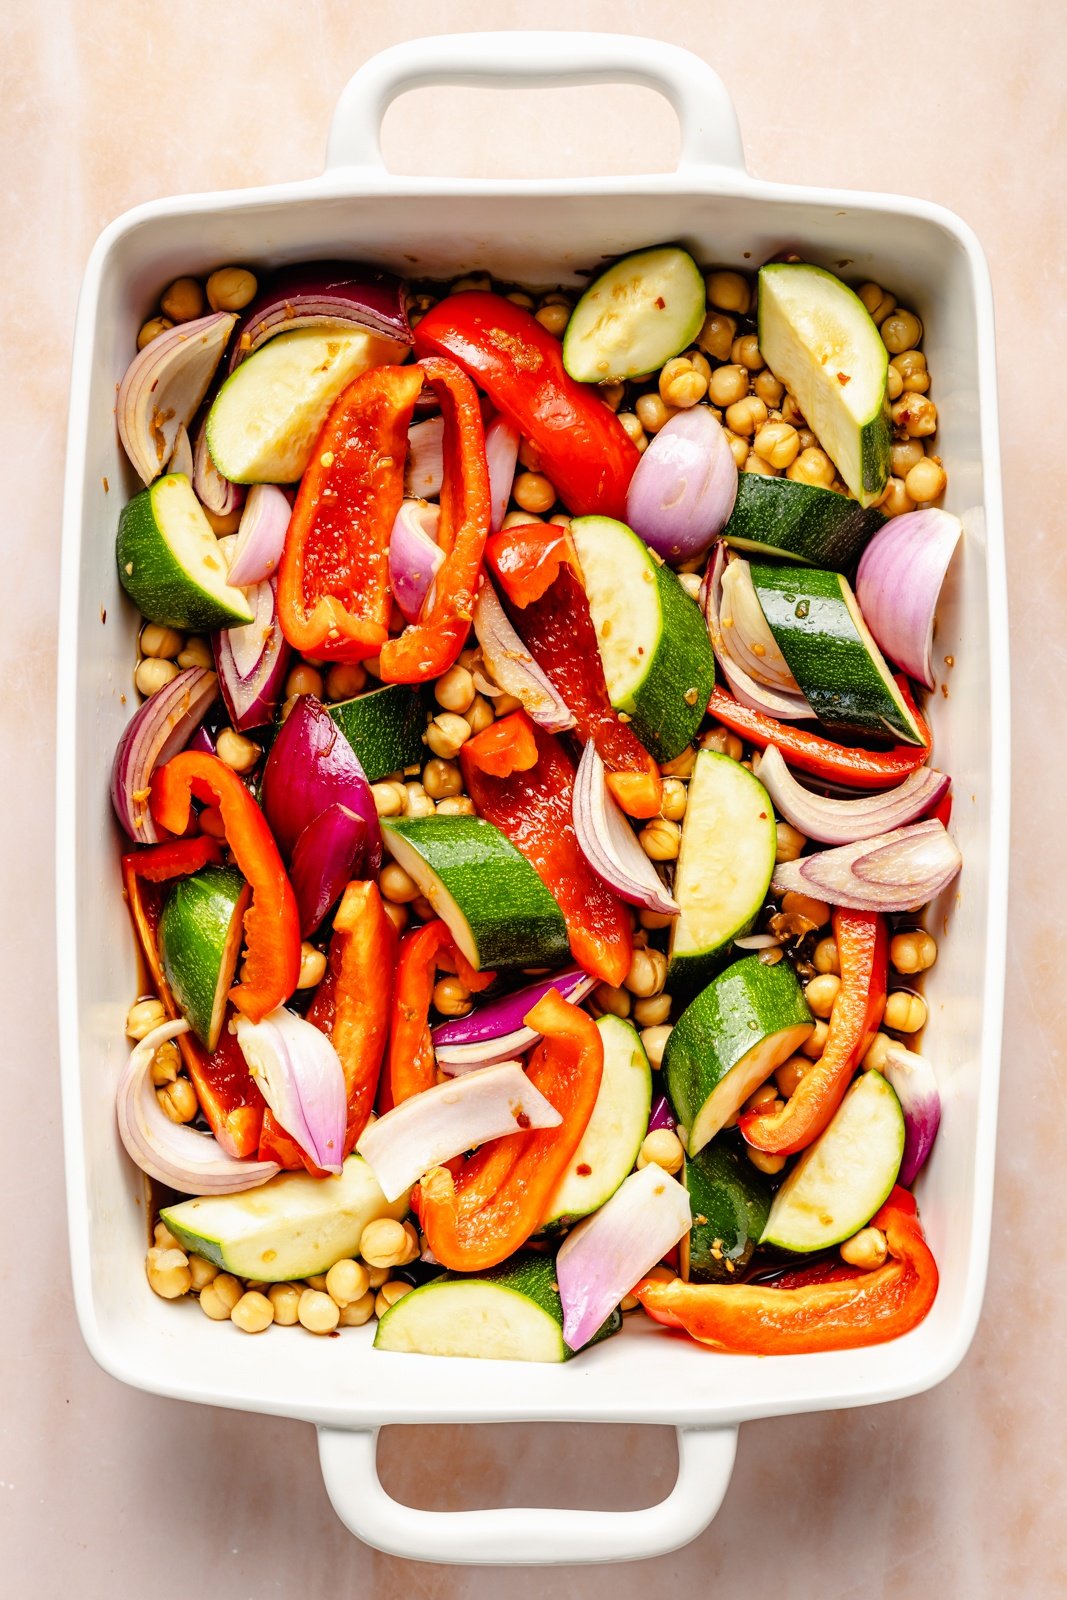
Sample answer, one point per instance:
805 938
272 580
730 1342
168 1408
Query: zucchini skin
799 522
731 1201
384 728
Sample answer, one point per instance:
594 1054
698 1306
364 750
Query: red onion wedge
497 1031
301 1078
326 856
661 1116
424 472
216 493
683 491
780 703
892 872
501 455
312 766
163 386
158 730
512 665
430 1128
171 1153
260 536
253 660
181 457
912 1080
323 294
610 845
899 581
414 555
603 1257
835 821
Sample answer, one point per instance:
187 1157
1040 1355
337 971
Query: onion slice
780 703
181 457
424 471
835 821
892 872
661 1116
912 1080
311 766
300 1076
899 581
216 493
327 854
323 294
513 667
172 1153
163 386
430 1128
414 555
497 1031
610 845
501 455
252 660
260 536
158 730
683 490
604 1256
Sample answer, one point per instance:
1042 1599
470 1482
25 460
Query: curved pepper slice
411 1063
272 921
532 805
583 446
537 567
333 578
863 948
762 1320
428 647
497 1200
174 858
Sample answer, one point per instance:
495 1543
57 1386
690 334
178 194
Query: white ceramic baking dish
535 231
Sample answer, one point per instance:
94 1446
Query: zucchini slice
635 316
496 907
731 1201
170 563
384 728
819 340
777 517
200 934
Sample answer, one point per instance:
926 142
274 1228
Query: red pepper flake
107 486
583 1169
661 304
522 1120
843 378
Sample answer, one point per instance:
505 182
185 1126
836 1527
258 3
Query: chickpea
879 302
452 997
763 1161
904 1012
153 675
284 1299
312 966
651 1011
253 1313
505 704
152 329
316 1312
447 734
768 387
867 1249
896 501
304 680
746 352
317 1280
654 1041
746 416
925 481
555 318
454 690
821 993
144 1016
661 1148
196 652
479 713
790 843
532 491
168 1273
904 455
761 469
913 952
894 383
739 448
237 752
716 337
682 765
183 300
344 680
218 1298
422 909
202 1272
682 384
383 1243
916 415
816 913
814 467
787 1077
388 799
519 519
163 643
396 885
723 741
178 1100
634 431
347 1281
901 331
729 291
166 1064
911 365
763 1099
815 1043
661 839
728 386
377 1276
456 805
398 915
792 413
675 799
357 1312
231 289
652 413
389 1294
777 443
612 1001
825 958
441 779
612 394
874 1060
691 583
647 974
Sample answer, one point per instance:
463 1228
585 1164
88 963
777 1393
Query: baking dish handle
525 1536
709 132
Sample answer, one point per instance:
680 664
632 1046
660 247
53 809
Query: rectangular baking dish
537 232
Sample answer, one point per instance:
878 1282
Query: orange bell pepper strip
272 921
228 1095
496 1202
411 1065
428 647
333 578
844 1314
504 747
862 948
537 567
532 805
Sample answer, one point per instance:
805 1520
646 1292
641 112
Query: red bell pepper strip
537 567
504 747
333 578
863 951
272 921
532 806
411 1064
763 1320
428 647
584 448
498 1198
810 752
228 1094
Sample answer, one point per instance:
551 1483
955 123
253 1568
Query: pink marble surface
959 1492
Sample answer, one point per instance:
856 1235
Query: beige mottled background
959 1493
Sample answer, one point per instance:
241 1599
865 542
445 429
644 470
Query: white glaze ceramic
540 232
